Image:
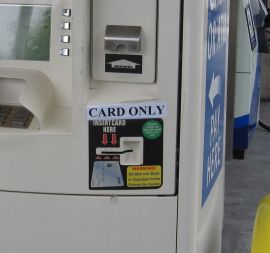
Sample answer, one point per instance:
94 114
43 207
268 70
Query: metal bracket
118 37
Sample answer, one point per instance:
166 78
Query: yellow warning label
144 176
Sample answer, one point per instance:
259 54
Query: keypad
4 113
15 117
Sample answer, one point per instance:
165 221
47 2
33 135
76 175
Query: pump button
65 25
65 51
66 12
65 39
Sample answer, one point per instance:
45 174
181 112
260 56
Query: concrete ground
247 181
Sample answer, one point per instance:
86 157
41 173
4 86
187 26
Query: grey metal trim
128 37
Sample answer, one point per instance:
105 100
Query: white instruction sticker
142 110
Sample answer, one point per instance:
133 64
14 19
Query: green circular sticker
152 129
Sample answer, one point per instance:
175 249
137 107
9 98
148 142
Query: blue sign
251 28
216 72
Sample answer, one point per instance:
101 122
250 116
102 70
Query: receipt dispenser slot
119 37
124 43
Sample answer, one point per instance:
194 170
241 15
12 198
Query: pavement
247 181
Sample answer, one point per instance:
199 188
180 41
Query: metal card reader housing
123 37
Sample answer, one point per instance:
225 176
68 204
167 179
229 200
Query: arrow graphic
104 139
215 89
114 139
123 64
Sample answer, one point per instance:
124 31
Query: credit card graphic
107 174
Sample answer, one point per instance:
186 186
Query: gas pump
252 42
112 125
